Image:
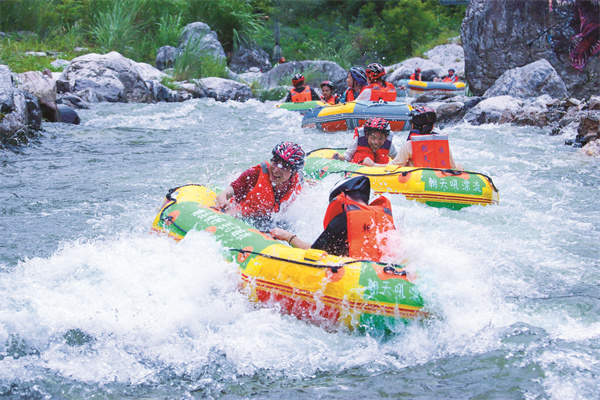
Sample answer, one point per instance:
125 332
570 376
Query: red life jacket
432 151
261 199
350 95
365 223
452 78
385 93
415 77
299 97
381 156
332 100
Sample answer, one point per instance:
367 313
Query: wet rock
166 56
530 80
501 109
162 93
203 39
244 59
72 101
67 115
225 89
104 77
594 103
43 87
589 127
592 148
20 111
500 35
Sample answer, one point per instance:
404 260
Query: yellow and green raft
435 187
310 284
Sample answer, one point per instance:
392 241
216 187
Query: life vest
415 77
332 100
299 97
381 156
452 78
349 94
261 199
432 151
365 224
385 93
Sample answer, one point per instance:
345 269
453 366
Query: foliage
169 30
116 29
190 64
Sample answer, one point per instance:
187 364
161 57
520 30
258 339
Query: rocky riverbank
524 85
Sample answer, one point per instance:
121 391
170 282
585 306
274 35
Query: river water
94 306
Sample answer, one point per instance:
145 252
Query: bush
190 65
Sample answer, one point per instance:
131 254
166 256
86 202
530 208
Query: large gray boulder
246 58
20 112
203 40
104 77
166 56
504 34
501 109
448 56
44 88
531 80
225 89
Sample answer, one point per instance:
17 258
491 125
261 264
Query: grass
189 65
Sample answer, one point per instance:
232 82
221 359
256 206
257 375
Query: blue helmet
359 75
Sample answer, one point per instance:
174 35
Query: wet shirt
334 239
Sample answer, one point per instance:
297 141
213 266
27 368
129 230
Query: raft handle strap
389 268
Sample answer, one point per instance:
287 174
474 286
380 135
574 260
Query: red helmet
290 153
297 79
375 71
326 83
377 124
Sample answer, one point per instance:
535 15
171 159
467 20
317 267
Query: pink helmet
377 124
375 71
290 153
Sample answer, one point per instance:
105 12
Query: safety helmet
326 83
290 153
297 79
281 60
451 69
375 71
423 118
377 124
358 75
358 186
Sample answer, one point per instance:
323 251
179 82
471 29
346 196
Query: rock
204 40
67 115
501 109
448 56
531 80
594 103
592 148
403 70
72 101
149 73
59 64
224 89
108 77
314 71
195 91
589 127
20 112
81 49
166 56
162 93
500 35
36 53
43 87
244 59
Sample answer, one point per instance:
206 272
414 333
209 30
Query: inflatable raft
347 116
302 106
417 88
309 284
434 187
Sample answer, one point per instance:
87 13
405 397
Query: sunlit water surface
93 305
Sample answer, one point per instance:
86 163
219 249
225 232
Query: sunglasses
282 164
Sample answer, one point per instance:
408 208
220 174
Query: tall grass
191 65
116 28
169 30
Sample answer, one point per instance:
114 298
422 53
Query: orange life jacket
452 78
299 97
332 99
385 93
381 156
261 199
415 77
432 151
350 95
365 225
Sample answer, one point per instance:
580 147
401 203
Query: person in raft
352 226
416 76
301 92
450 78
373 145
377 89
261 190
424 147
356 81
328 96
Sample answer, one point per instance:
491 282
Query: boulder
203 39
72 101
592 148
594 103
501 109
224 89
162 93
448 56
104 77
43 87
530 80
59 63
500 35
20 112
403 70
244 59
166 56
314 71
67 115
589 127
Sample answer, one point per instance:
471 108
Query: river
92 305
